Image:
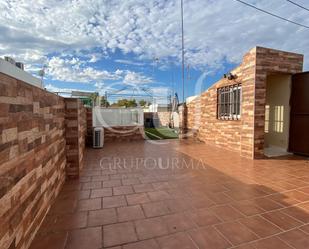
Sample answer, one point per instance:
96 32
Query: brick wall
123 133
32 158
159 118
76 128
36 128
246 135
269 62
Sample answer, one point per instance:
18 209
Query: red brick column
76 128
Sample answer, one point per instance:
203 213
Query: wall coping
15 72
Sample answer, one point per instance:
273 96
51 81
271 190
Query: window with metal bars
229 102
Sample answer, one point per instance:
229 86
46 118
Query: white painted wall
15 72
109 117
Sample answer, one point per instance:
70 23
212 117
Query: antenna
182 54
41 73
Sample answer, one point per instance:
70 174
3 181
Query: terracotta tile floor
182 195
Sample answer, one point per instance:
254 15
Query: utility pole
183 54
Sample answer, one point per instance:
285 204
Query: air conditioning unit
20 65
9 59
98 137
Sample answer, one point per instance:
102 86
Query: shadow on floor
180 194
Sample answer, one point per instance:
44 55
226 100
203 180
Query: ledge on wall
15 72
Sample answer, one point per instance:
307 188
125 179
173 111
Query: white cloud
129 62
215 31
73 70
133 78
62 91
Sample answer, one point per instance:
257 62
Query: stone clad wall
159 118
32 158
269 62
76 128
124 133
246 135
34 155
235 135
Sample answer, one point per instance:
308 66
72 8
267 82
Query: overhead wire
297 4
272 14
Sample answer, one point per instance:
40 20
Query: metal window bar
228 102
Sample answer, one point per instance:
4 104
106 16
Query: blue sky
166 77
96 45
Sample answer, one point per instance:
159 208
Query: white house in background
17 73
158 108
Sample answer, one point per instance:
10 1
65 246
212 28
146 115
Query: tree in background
127 103
104 102
91 100
143 103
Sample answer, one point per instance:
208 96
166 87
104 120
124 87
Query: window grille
229 102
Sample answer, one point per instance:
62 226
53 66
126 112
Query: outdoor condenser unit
98 137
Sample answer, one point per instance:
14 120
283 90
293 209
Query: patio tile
296 238
236 233
151 228
178 222
130 213
159 195
90 204
305 228
297 195
219 198
131 181
111 183
209 238
74 195
176 241
201 202
297 213
271 243
161 185
145 244
227 213
260 226
141 188
304 190
247 208
282 220
137 198
235 200
91 185
153 209
267 204
203 217
63 207
102 192
178 205
50 241
100 178
102 217
284 200
245 246
123 190
118 234
71 185
114 201
69 222
90 238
